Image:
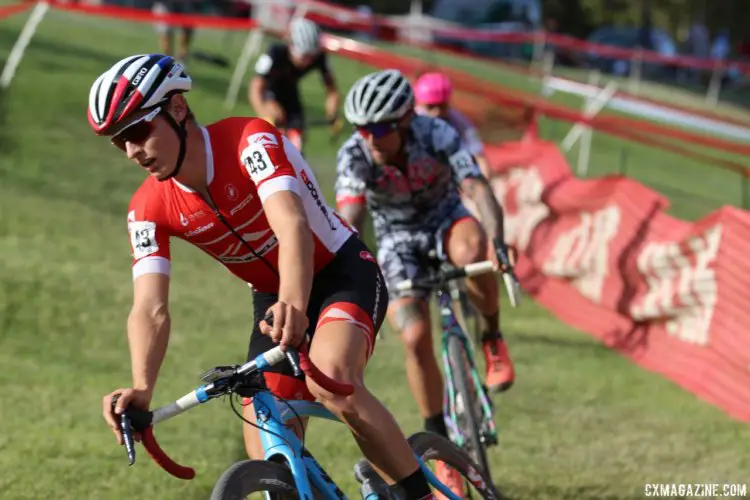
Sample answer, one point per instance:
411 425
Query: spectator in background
698 45
274 91
165 32
366 12
721 46
721 50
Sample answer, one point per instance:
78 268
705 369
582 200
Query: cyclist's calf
410 317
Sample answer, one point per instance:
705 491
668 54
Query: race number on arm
149 237
262 152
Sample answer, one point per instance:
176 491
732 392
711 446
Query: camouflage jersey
417 198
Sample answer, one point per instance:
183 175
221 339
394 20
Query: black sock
415 485
436 424
492 335
489 323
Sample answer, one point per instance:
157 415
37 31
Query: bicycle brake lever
127 432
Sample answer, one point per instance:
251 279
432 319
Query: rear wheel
255 476
433 447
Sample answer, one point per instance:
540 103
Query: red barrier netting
604 257
9 10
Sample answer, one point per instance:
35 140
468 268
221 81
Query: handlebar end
161 458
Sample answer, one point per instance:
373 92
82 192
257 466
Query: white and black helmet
304 36
133 84
379 97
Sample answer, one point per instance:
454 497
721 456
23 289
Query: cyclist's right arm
148 322
148 329
351 184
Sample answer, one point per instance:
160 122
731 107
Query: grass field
581 423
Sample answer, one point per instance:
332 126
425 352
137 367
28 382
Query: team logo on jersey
200 230
317 198
365 255
242 204
184 220
231 191
264 139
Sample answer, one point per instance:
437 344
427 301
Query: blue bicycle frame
280 443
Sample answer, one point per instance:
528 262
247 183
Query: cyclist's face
303 60
150 141
436 110
383 140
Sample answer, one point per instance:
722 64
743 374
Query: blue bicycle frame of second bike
280 443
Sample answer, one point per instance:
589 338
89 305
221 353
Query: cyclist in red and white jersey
242 193
432 92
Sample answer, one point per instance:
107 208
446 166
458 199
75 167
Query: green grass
581 423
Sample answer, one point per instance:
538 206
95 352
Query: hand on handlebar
125 397
505 256
288 327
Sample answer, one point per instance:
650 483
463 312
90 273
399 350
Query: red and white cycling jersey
247 161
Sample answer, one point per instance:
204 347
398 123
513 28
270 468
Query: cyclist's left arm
265 162
332 92
473 183
474 145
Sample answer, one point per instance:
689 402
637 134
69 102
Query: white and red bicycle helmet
138 83
134 84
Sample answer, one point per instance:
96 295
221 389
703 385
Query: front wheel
430 446
255 476
467 402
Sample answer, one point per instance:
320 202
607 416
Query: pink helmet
433 88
